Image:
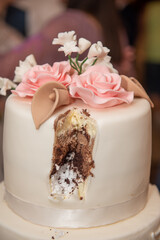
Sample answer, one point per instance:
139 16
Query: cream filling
65 181
76 119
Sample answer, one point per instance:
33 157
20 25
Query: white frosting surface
122 155
143 226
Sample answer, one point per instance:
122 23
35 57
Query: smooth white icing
75 218
143 226
122 156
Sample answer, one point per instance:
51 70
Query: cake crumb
85 111
67 181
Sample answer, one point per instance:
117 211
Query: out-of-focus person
9 37
41 46
129 11
39 13
151 21
149 47
152 49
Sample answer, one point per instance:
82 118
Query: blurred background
130 28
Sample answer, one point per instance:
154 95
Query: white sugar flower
6 84
97 50
23 67
83 45
65 37
69 47
68 42
106 61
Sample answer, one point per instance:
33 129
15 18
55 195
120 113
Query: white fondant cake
122 154
77 164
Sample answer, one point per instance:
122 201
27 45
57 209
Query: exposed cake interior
75 133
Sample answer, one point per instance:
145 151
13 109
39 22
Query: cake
77 151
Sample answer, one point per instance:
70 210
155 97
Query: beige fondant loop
131 84
156 235
46 100
52 96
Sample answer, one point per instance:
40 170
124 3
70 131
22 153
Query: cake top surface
122 111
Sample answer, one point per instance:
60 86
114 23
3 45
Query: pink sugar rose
99 88
38 75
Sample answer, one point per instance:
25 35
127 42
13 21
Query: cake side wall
122 155
25 152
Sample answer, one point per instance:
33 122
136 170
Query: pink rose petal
99 88
38 75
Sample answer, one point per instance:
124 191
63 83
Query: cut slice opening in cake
75 133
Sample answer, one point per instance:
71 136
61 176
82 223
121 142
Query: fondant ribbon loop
47 99
156 235
131 84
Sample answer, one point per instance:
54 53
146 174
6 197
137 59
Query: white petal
6 84
64 38
23 67
97 50
69 47
83 45
92 51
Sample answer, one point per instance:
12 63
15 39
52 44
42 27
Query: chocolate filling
73 149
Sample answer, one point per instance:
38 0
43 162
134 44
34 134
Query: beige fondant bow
131 84
46 100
